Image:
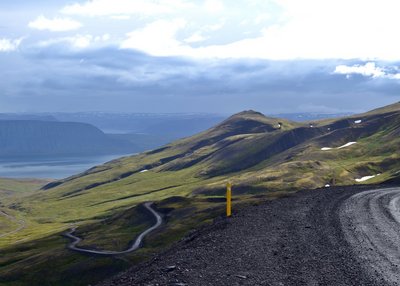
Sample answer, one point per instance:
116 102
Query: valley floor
308 238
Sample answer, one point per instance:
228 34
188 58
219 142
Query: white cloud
215 27
394 76
120 17
81 41
338 29
195 38
262 18
9 45
55 24
368 70
124 7
157 38
307 29
103 38
77 41
213 6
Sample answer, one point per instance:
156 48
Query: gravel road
332 236
371 222
137 243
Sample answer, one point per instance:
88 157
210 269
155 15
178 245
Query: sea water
50 168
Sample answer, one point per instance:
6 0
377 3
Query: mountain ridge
261 139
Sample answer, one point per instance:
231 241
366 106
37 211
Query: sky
215 56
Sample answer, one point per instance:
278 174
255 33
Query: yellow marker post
228 199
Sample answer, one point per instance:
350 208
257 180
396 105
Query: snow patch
346 145
358 121
365 178
325 148
327 186
343 146
143 171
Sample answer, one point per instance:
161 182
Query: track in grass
21 224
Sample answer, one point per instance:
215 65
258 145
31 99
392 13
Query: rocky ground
296 240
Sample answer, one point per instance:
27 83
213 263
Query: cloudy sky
218 56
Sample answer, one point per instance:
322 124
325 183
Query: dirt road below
135 245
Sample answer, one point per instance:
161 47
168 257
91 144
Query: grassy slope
186 179
11 189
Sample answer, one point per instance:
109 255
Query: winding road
21 224
75 240
336 236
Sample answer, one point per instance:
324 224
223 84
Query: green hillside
263 157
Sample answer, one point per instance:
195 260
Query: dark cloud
56 79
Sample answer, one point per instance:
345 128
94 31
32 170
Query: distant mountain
32 138
171 126
145 131
23 116
308 116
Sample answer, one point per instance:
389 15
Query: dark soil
296 240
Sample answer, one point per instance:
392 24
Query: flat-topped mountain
32 138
